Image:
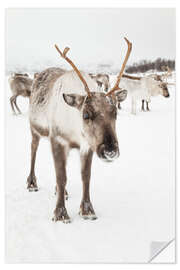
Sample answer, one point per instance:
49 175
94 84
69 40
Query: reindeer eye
86 116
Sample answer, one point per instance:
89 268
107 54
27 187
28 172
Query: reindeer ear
74 100
121 95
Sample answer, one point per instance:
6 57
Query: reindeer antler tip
128 42
56 46
66 50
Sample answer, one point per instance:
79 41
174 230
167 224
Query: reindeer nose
108 152
111 155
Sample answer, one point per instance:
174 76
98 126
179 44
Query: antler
169 71
167 74
63 55
116 86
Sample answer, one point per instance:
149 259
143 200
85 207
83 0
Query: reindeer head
36 75
162 83
163 89
98 113
103 79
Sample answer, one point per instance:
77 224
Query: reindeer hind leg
147 106
17 105
12 104
31 181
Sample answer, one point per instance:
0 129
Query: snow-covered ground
134 197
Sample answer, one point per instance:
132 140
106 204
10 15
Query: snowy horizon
108 68
95 37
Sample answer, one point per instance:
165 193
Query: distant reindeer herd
138 88
79 110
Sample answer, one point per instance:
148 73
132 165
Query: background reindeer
154 92
103 83
61 111
20 85
102 80
36 74
143 88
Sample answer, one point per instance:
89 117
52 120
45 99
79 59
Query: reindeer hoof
60 214
89 216
32 183
87 211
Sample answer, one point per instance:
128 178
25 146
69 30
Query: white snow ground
134 197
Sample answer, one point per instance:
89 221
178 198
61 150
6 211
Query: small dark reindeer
61 111
20 85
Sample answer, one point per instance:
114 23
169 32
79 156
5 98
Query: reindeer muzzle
108 152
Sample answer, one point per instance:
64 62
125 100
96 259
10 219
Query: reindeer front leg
13 103
86 208
59 155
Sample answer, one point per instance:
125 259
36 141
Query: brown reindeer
64 109
20 85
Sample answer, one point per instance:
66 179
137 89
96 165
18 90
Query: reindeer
103 83
64 109
102 80
162 77
20 85
143 88
36 74
163 81
154 89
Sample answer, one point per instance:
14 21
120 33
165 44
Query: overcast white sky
94 35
